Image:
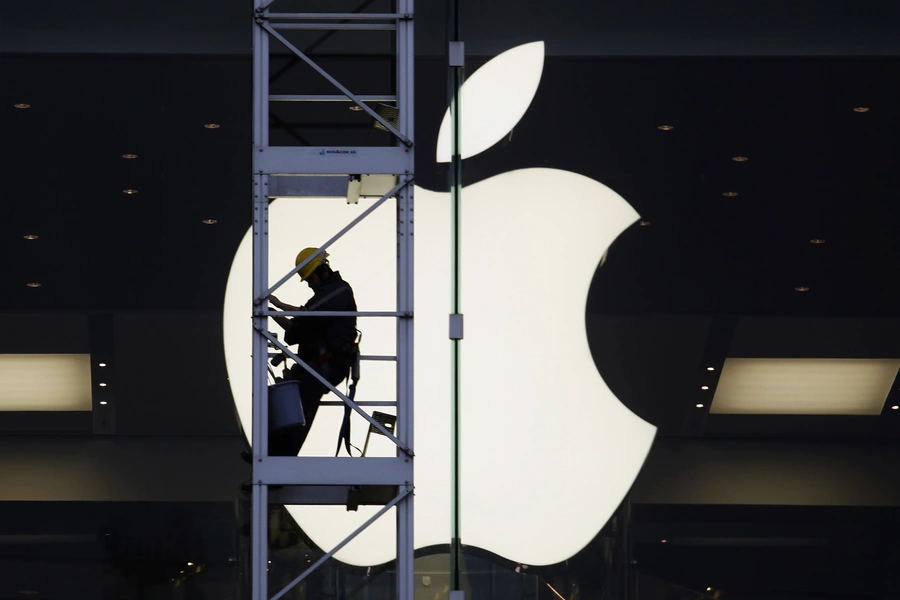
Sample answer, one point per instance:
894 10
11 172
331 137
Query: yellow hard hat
312 265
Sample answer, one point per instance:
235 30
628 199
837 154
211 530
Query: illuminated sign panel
548 451
804 386
45 382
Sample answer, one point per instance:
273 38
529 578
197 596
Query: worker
327 344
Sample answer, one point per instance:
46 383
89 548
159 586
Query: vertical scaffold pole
405 296
259 501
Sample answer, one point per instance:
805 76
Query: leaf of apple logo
548 451
494 99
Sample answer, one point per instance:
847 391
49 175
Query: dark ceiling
570 27
816 169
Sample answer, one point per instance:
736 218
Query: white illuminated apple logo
548 451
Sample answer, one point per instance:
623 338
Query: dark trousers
289 442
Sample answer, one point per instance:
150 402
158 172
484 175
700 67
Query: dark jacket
320 335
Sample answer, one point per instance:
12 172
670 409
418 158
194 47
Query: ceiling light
709 589
740 159
817 241
356 108
699 405
644 223
45 382
665 127
663 541
30 236
729 194
212 125
801 288
103 402
102 365
804 386
895 407
129 156
209 221
190 564
861 109
129 191
33 284
102 385
710 368
704 387
22 105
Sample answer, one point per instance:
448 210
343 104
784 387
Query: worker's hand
276 302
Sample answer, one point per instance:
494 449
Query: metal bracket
456 327
457 54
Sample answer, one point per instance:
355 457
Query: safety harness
344 434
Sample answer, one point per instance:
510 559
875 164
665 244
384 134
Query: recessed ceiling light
102 365
644 223
704 387
710 368
130 192
190 564
895 407
699 406
102 385
33 284
356 108
209 221
212 125
30 236
861 109
793 386
740 159
103 402
709 589
817 241
129 156
22 105
801 288
663 541
729 194
665 127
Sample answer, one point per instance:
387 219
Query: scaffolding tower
382 481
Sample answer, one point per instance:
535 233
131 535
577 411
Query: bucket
285 409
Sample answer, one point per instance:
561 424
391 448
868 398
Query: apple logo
548 451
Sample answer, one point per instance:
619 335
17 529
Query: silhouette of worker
326 343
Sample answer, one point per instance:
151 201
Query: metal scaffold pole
328 480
